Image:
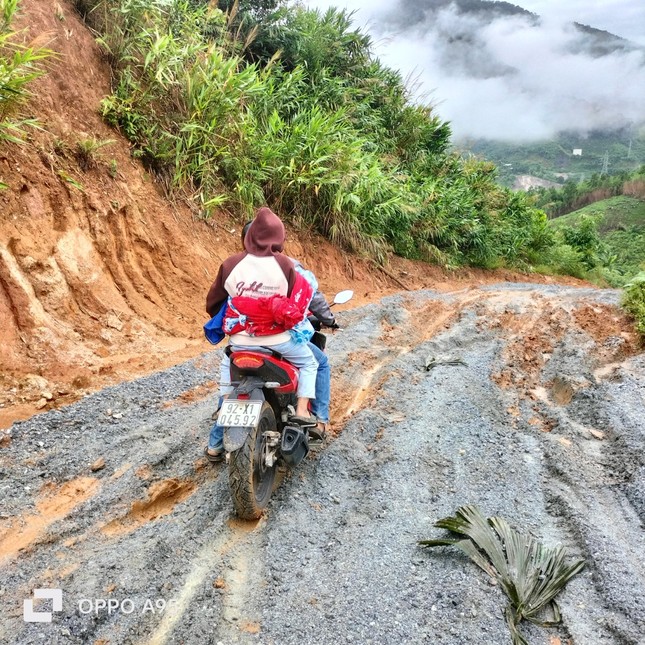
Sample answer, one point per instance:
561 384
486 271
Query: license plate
236 413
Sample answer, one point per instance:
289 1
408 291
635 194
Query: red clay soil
102 278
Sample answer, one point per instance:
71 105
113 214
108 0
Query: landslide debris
558 450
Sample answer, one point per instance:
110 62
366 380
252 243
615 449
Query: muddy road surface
533 408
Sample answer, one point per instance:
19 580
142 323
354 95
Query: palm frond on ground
530 574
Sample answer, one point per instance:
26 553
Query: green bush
562 259
19 66
633 301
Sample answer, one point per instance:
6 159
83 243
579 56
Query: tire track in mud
233 582
175 536
398 337
242 543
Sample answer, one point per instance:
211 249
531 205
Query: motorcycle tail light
247 362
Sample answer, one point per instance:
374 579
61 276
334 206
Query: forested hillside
601 152
557 201
620 238
288 106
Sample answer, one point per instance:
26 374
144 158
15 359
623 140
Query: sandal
317 433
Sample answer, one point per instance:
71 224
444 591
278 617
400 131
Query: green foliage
87 151
70 180
633 302
288 106
584 238
626 249
561 259
615 213
620 247
557 201
19 66
579 250
530 574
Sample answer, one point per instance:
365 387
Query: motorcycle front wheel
250 479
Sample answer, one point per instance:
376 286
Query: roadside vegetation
610 237
19 65
634 302
605 243
278 104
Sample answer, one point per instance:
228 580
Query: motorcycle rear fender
235 437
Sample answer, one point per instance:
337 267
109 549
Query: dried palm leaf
530 574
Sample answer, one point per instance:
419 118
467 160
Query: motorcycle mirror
343 296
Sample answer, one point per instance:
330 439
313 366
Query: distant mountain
409 14
523 91
602 43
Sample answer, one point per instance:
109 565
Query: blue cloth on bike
303 331
213 328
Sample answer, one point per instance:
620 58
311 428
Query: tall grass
19 65
295 112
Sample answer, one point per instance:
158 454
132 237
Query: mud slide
525 400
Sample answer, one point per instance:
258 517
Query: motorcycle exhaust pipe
294 445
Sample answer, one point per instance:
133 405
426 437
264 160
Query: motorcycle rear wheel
251 482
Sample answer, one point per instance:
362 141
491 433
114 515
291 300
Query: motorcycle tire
250 481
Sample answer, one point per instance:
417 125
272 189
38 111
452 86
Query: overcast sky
511 79
624 18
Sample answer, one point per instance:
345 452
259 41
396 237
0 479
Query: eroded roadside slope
102 277
543 424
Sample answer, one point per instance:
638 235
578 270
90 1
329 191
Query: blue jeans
319 405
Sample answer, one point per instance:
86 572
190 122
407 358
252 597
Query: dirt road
543 423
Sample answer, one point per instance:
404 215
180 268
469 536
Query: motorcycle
260 442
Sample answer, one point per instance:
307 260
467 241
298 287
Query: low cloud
512 77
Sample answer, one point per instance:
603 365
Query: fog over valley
501 72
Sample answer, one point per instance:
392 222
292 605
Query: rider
256 274
320 308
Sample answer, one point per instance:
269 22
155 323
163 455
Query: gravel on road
533 409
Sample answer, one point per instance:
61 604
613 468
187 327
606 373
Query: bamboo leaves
530 574
299 114
19 66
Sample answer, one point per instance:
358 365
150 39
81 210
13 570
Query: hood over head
266 234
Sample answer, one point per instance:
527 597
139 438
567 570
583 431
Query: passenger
320 308
259 272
